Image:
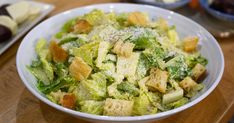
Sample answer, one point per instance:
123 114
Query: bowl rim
125 118
174 5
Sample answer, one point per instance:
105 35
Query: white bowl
209 48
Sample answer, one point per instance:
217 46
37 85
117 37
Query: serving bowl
208 48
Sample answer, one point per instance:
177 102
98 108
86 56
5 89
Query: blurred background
217 16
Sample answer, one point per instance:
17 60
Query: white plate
24 27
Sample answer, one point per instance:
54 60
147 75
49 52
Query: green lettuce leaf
56 85
142 67
66 28
102 52
178 103
92 107
155 57
192 60
129 88
122 18
115 93
92 89
43 54
143 106
61 70
39 73
68 25
87 52
195 90
177 68
94 17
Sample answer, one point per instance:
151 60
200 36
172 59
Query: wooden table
17 104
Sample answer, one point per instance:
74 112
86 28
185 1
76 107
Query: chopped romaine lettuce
195 90
122 18
142 67
43 54
143 106
194 59
39 74
115 93
67 40
177 68
172 96
95 17
92 89
87 52
142 84
92 107
48 69
155 57
127 66
56 85
102 52
61 70
36 63
111 57
178 103
129 88
143 43
154 97
68 25
173 36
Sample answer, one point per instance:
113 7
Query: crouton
198 71
68 101
158 80
137 18
116 107
190 44
127 49
79 69
82 26
187 83
123 49
57 52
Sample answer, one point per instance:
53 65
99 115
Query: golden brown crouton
190 44
187 83
137 18
82 26
123 49
79 69
58 53
68 101
116 107
158 80
198 71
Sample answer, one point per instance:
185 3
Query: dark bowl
218 14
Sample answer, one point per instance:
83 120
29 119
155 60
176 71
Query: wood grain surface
18 105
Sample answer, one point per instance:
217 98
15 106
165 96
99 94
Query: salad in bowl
118 64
